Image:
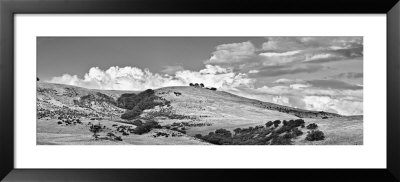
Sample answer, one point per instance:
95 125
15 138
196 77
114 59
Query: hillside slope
196 110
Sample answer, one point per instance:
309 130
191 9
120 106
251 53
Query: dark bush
269 123
142 101
237 130
131 114
223 132
213 88
137 122
110 134
59 122
312 126
297 132
146 127
201 85
276 123
95 129
118 138
315 135
198 136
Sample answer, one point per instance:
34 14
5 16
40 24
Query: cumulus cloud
132 78
232 53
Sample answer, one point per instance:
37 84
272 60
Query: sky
314 73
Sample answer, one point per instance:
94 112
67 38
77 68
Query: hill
182 112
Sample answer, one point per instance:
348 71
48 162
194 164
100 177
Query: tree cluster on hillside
136 104
270 134
201 85
314 134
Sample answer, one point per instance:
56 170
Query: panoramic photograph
269 90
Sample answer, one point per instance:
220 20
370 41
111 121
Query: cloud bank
132 78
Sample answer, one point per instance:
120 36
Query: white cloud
132 78
254 71
232 53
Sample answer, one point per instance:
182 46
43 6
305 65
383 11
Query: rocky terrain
177 115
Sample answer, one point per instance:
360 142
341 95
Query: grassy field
213 109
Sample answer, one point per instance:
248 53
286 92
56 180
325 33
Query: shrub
237 130
312 126
297 132
198 136
191 84
223 132
276 123
130 114
146 127
315 135
110 134
59 122
213 88
137 122
95 129
269 123
201 85
118 138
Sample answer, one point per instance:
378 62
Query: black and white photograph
304 90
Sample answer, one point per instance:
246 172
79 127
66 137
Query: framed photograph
149 91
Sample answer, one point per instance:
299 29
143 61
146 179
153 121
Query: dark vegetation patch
295 111
201 85
270 134
189 124
166 113
146 127
315 135
312 126
180 130
64 113
136 104
85 101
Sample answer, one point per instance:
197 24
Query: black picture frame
9 8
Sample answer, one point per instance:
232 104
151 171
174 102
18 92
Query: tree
201 85
315 135
213 88
269 123
191 84
312 126
37 79
276 123
196 85
95 129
